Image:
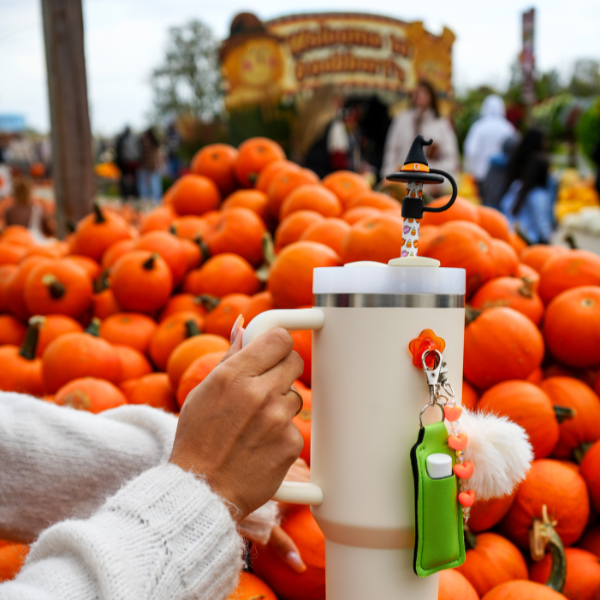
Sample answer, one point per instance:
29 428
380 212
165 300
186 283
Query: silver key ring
426 407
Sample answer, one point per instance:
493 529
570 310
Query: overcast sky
125 39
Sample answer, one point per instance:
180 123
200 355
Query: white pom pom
499 450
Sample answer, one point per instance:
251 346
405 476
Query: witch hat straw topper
415 173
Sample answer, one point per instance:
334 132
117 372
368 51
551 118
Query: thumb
283 546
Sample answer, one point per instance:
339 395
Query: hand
432 152
235 429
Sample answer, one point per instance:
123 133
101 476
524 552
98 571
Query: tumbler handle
305 318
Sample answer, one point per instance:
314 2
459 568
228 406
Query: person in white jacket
423 118
171 530
485 137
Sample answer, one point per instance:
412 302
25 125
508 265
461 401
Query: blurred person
20 153
27 213
173 146
128 156
485 139
528 202
491 188
148 177
532 142
423 118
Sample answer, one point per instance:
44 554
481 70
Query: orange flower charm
427 340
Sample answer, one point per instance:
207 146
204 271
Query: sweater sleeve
164 535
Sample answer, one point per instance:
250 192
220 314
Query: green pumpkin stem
94 327
471 314
563 413
102 283
191 329
55 287
173 229
542 536
580 451
149 263
570 239
209 302
29 346
98 215
526 288
70 225
470 538
204 250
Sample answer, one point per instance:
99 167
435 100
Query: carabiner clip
433 375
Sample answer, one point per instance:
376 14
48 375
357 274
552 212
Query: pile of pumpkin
118 313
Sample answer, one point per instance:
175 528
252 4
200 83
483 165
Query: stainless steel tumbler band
389 300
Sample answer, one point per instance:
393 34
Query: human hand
236 430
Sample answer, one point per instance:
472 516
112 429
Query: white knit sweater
164 534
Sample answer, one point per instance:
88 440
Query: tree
585 80
188 82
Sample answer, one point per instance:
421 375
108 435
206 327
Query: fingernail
236 327
293 559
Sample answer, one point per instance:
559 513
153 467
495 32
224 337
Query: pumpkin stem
55 287
257 597
209 302
191 329
98 215
523 236
562 413
541 536
470 538
149 263
204 251
262 273
29 346
471 314
70 225
580 451
102 283
526 289
173 229
94 327
570 239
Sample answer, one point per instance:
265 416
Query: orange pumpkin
7 273
461 210
154 390
494 222
531 276
190 350
266 175
194 195
505 259
189 227
99 231
105 304
528 406
511 292
378 239
572 326
300 525
75 355
57 286
158 219
222 275
114 252
374 200
91 394
12 558
90 266
345 185
469 396
11 254
537 255
501 344
303 419
257 304
590 540
330 232
455 586
521 590
15 286
196 373
12 331
354 215
183 303
253 200
292 228
517 243
53 326
253 156
220 320
303 346
285 181
590 471
216 161
170 333
195 252
567 271
132 362
128 329
18 235
311 197
169 248
536 376
250 587
558 487
141 281
290 278
486 514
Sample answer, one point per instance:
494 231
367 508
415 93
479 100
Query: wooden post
72 164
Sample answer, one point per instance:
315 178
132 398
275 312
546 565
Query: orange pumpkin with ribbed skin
378 239
75 355
290 278
128 329
266 175
190 350
517 243
461 210
112 254
283 183
537 255
303 419
558 487
522 590
194 255
292 228
590 540
196 373
494 222
16 234
374 200
564 272
189 227
90 266
254 155
345 185
301 526
12 331
169 248
53 326
330 232
7 273
221 275
91 394
526 273
583 574
58 287
510 292
216 161
464 245
528 406
486 514
194 195
12 558
501 344
53 250
257 304
99 231
469 396
15 286
133 363
158 219
250 587
358 213
572 326
170 333
237 231
154 390
141 281
253 200
584 428
455 586
590 471
105 304
220 320
493 561
311 197
505 259
303 346
182 303
11 254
